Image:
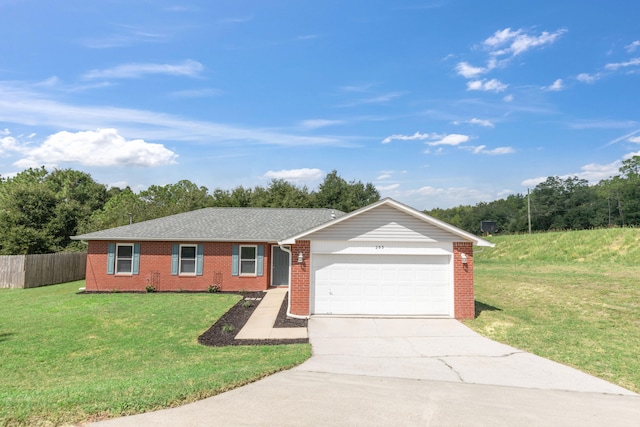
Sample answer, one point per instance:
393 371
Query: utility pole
529 209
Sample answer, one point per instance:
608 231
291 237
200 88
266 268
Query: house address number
380 247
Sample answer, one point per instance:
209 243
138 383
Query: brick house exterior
233 249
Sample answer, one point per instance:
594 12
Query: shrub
213 289
150 288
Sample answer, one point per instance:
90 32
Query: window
188 259
124 259
248 260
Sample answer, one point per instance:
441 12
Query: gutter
295 316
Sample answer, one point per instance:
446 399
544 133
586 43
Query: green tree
336 193
39 211
117 212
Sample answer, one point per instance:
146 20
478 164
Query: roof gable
388 220
384 224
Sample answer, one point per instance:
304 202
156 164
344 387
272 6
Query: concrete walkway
260 324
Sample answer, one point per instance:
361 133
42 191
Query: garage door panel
439 291
406 291
384 285
404 276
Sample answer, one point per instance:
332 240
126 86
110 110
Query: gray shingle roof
221 224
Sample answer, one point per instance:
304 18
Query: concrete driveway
435 349
409 372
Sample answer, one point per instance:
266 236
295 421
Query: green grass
67 358
573 297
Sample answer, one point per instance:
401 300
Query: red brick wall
155 261
300 278
464 303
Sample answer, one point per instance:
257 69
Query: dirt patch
224 331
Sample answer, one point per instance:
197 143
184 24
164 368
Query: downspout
295 316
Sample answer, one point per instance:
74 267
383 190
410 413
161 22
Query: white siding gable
384 223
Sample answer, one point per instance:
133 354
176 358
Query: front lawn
572 297
68 357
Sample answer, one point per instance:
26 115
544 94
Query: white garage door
382 284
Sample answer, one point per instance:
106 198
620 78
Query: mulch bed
282 321
224 331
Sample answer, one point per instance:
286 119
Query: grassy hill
573 297
612 245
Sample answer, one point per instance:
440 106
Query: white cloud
556 86
319 123
187 68
380 99
8 143
400 137
366 87
631 63
307 37
502 46
635 139
451 139
482 149
499 151
630 155
431 197
104 147
469 71
384 176
483 123
391 187
588 78
532 182
493 85
632 46
127 35
296 175
508 98
24 105
592 172
512 43
501 37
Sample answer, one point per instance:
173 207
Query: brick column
300 278
464 303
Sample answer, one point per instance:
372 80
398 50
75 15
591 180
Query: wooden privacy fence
32 271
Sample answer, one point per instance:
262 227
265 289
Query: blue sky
437 103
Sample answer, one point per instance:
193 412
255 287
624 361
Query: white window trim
255 261
116 258
195 260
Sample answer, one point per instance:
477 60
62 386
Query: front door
280 266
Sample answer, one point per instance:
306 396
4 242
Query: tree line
559 204
40 210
